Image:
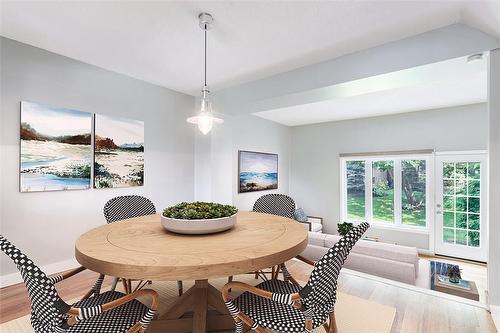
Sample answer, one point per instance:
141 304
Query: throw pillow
300 215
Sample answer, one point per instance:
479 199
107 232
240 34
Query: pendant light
205 119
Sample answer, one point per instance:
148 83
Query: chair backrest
126 207
321 289
276 204
47 308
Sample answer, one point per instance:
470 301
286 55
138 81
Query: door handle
439 212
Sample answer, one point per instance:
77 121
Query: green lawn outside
355 207
383 210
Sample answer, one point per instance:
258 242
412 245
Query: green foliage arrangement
199 211
343 228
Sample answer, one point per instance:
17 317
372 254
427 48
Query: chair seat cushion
274 315
117 320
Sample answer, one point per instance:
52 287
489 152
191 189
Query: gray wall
315 175
46 225
217 158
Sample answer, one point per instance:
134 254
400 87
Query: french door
461 221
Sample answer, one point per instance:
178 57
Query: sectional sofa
395 262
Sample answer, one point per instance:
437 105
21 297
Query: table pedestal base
199 309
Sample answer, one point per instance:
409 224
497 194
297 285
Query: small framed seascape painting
118 152
257 171
55 148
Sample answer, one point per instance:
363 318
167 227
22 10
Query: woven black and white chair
126 207
275 204
97 312
285 306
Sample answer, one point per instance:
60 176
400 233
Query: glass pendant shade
205 123
205 119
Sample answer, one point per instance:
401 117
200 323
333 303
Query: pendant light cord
205 55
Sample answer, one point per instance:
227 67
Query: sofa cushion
317 239
314 252
379 249
376 249
389 269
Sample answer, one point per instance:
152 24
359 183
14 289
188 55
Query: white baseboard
14 278
495 314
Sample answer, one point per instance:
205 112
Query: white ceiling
449 83
160 41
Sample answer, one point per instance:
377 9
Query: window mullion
398 185
368 191
343 192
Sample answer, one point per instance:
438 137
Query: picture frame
257 171
55 148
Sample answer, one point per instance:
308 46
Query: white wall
315 175
494 183
217 158
46 225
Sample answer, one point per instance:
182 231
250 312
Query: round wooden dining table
141 249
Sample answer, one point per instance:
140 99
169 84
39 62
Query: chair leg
125 286
333 323
180 287
243 319
141 284
278 270
113 285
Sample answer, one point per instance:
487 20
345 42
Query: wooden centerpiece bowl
198 218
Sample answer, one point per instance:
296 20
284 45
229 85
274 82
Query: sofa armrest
315 219
307 225
315 223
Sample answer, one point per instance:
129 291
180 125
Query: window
413 192
383 191
461 200
390 191
355 190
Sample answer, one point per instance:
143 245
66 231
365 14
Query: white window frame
398 225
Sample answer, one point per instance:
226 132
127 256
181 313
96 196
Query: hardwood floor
415 312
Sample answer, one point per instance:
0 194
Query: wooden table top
140 248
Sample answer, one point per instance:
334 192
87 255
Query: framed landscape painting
118 152
55 148
257 171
